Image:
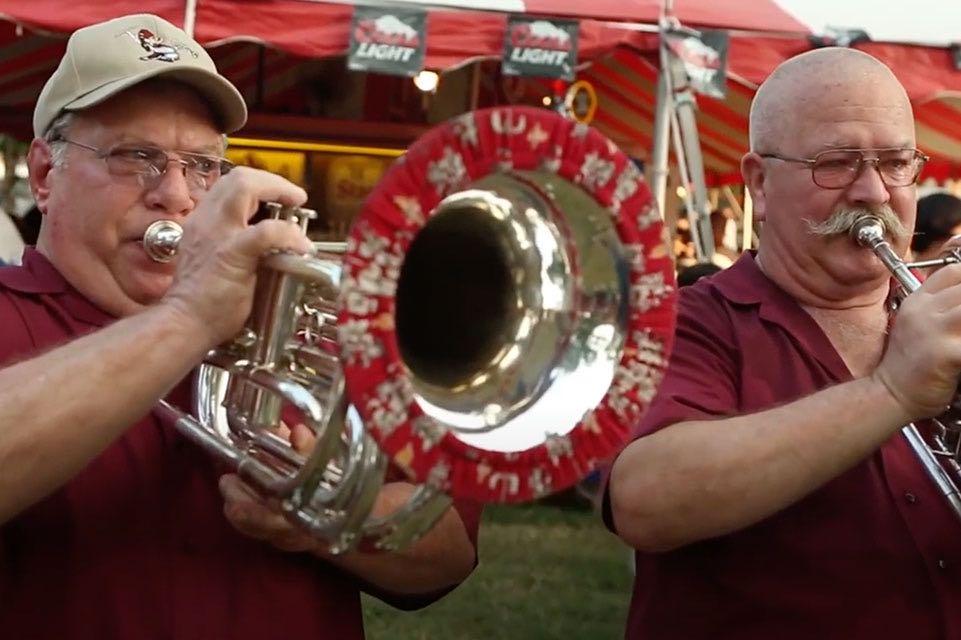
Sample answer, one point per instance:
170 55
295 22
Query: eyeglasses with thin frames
839 168
149 164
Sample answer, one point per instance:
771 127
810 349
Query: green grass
545 573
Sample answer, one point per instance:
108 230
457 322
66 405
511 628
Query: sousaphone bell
498 319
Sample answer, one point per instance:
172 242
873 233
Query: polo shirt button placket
910 497
942 564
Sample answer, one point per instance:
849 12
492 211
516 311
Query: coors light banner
387 40
704 58
539 47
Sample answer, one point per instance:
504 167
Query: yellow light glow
315 146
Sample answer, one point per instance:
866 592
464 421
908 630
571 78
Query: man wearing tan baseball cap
106 58
118 527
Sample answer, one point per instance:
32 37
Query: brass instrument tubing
869 232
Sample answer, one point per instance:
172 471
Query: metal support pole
190 17
662 133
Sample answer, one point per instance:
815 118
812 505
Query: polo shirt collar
746 284
37 275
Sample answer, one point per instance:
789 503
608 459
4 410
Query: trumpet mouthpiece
161 240
867 231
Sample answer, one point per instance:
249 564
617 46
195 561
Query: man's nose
172 191
868 186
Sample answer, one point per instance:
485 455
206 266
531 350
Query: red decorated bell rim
448 159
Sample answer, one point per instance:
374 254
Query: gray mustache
841 221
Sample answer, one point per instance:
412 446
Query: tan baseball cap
106 58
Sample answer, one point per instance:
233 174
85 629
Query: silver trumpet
940 455
496 343
284 360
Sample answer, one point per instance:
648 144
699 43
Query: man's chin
149 288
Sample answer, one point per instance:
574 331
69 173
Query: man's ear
752 170
40 165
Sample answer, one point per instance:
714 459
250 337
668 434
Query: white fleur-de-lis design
552 161
360 304
509 482
430 431
439 476
595 171
628 182
357 344
590 424
539 482
388 263
448 173
635 382
558 446
649 291
637 378
634 253
580 130
373 281
465 128
410 207
371 244
505 160
388 409
640 377
483 471
537 136
504 123
648 216
649 349
622 405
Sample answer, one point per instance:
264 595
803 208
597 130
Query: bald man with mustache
769 493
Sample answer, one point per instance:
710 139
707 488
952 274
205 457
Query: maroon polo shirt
136 545
875 553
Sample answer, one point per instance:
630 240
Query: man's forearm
700 479
60 409
442 558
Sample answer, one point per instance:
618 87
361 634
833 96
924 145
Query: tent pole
662 122
687 128
662 133
747 235
190 17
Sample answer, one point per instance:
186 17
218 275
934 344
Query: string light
426 81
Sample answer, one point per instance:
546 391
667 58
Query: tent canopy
617 36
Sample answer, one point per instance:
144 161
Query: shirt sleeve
702 377
701 381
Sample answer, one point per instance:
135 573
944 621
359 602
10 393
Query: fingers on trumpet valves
250 187
270 236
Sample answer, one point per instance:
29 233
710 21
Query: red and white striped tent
618 38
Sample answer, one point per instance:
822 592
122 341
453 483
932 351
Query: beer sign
387 40
704 57
540 47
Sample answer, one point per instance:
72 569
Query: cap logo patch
157 48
